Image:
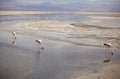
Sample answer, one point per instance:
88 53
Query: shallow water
88 19
59 60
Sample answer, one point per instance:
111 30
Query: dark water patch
92 26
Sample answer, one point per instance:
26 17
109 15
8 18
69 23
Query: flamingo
39 41
110 52
39 45
14 33
109 46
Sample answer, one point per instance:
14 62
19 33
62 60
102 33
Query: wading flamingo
109 47
108 52
39 45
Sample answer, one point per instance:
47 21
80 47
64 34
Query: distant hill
64 7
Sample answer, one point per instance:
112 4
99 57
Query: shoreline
108 72
55 12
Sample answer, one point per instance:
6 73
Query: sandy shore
108 72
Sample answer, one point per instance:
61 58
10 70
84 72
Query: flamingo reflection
14 38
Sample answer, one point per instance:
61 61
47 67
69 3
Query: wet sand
59 60
66 27
108 72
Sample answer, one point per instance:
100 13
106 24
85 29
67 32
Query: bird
108 52
39 44
39 41
109 45
14 33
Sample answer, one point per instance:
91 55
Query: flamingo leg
39 48
14 40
